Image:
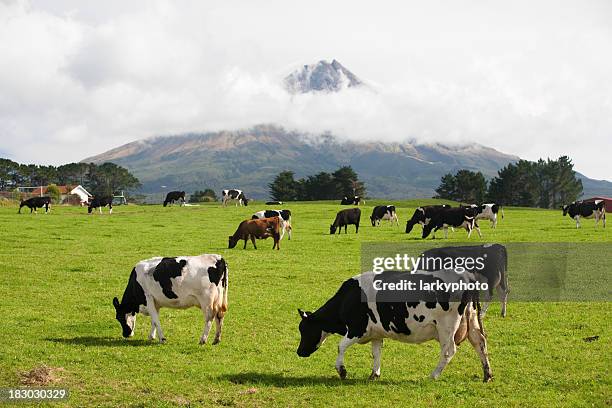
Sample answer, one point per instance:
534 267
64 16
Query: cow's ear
116 303
303 314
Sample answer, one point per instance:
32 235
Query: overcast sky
531 78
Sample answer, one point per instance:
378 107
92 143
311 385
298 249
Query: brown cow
260 229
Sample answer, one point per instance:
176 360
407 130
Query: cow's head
332 229
418 216
245 201
312 334
126 318
232 242
565 209
89 209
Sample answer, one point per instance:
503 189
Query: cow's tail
222 300
476 297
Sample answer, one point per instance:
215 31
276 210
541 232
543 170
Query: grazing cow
422 215
99 203
237 195
490 264
364 310
452 217
178 283
384 212
350 216
487 212
285 219
35 203
173 196
355 200
257 229
591 209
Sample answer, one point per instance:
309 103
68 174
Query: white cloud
78 78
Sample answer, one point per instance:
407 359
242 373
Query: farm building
607 201
68 194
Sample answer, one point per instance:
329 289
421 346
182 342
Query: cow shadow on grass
92 341
282 381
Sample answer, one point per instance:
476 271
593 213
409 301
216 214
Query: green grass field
60 271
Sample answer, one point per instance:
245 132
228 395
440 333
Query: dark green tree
284 187
465 186
206 195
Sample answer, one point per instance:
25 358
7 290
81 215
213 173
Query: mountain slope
249 159
322 76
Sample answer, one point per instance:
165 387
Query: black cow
583 209
452 217
355 200
384 212
489 261
364 311
173 196
350 216
35 203
99 202
422 215
231 194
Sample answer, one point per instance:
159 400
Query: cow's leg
208 313
477 228
153 331
376 355
448 348
356 228
345 343
253 241
479 342
219 325
110 211
577 218
494 225
152 309
445 232
469 231
487 301
604 218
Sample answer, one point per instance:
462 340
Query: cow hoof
374 377
342 372
202 341
216 341
162 340
488 377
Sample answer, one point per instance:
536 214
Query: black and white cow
488 212
452 217
577 209
178 283
173 196
35 203
237 195
422 215
355 200
364 310
489 261
283 215
99 202
384 212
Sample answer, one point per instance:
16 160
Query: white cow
178 283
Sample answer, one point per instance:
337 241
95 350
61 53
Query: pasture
60 271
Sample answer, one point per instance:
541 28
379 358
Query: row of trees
103 179
321 186
545 184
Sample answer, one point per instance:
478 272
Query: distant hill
249 160
594 188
